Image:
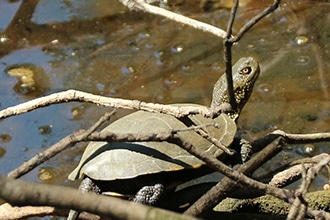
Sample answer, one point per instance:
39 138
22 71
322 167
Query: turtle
147 169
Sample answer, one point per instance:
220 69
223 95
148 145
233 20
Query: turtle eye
246 70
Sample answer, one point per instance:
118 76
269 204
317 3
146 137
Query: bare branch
298 209
303 138
235 175
61 145
299 206
18 192
9 212
226 186
141 5
90 135
293 173
75 95
228 56
232 19
255 20
229 41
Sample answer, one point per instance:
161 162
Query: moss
319 200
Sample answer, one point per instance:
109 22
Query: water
102 48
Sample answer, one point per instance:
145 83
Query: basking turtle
145 169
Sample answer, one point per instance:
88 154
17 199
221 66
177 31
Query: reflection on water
101 47
32 80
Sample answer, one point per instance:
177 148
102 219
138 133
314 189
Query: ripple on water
304 60
171 82
301 40
127 70
307 150
178 48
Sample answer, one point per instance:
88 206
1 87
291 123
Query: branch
18 192
299 206
254 21
91 135
75 95
226 186
227 45
235 175
303 138
141 5
63 144
9 212
293 173
230 40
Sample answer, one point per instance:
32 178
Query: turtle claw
246 150
149 195
87 185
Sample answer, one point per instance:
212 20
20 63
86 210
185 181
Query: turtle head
245 73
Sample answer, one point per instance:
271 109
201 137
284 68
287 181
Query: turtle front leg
246 150
149 195
87 185
243 141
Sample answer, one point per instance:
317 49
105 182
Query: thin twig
230 40
299 206
61 145
205 135
298 209
303 138
232 19
255 20
141 5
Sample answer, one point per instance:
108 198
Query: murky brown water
102 48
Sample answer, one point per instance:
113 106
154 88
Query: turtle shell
114 161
